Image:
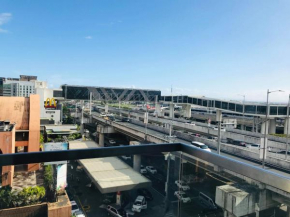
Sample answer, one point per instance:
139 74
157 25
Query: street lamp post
287 128
244 96
266 122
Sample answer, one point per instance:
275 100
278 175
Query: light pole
266 122
244 96
287 128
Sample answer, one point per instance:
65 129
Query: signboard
219 115
55 146
61 177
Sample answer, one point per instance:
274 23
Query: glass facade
235 107
111 94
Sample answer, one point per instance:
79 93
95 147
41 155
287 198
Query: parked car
206 201
74 207
125 119
239 143
146 193
151 169
116 211
139 204
126 157
112 141
182 185
201 146
182 196
109 198
79 214
189 179
143 170
212 138
253 146
190 123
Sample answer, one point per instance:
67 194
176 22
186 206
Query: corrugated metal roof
110 174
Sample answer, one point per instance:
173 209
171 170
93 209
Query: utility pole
266 126
244 96
287 128
219 119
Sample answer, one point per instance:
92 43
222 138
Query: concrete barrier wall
39 210
249 137
272 158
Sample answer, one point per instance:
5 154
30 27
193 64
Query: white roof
110 174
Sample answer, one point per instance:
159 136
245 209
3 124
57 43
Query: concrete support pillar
106 108
137 163
167 126
272 126
287 122
158 109
101 140
242 127
263 127
171 110
186 111
288 211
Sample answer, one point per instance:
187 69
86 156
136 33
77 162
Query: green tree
48 177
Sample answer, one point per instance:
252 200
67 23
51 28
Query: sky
220 49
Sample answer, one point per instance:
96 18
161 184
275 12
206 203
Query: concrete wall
7 146
16 110
39 210
61 208
34 128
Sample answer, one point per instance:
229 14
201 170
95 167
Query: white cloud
4 18
88 37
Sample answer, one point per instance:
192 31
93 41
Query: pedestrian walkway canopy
110 174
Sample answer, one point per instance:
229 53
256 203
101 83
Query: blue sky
200 47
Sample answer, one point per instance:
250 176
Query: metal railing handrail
267 177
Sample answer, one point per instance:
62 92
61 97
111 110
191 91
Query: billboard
55 146
61 177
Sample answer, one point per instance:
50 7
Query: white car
139 204
182 196
112 142
182 185
222 129
201 146
191 124
151 169
126 157
74 207
143 170
79 214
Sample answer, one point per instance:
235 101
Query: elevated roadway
138 131
275 142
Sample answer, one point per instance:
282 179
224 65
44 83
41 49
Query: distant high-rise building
23 86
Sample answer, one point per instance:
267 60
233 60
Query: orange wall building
24 129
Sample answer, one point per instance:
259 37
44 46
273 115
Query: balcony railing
184 181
